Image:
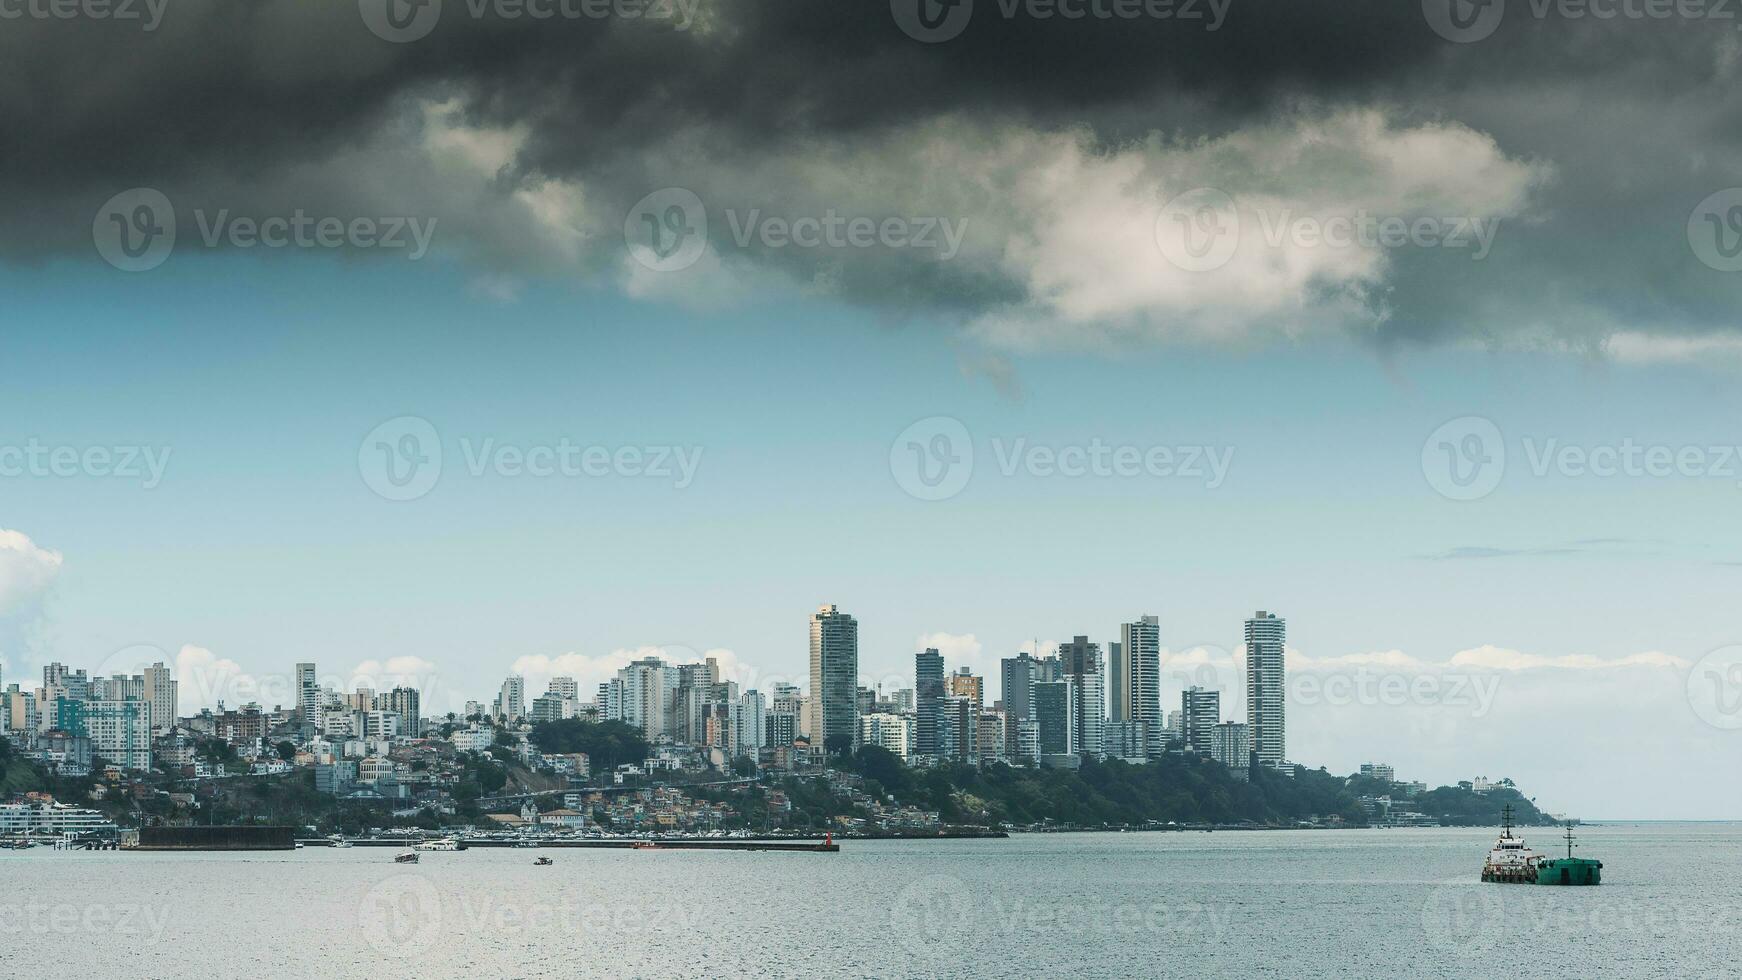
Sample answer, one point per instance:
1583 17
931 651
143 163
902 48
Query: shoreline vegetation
1176 791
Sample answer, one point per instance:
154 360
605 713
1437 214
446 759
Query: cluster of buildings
1058 708
73 718
1078 701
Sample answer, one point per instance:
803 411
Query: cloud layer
1057 143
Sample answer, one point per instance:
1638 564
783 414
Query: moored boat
1569 870
1510 862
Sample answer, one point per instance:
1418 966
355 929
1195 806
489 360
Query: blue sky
265 545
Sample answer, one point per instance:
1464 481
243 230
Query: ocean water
1379 903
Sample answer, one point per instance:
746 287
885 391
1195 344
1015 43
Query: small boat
405 857
646 845
544 862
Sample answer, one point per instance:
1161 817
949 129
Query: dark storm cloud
245 101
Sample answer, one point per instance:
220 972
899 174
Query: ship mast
1569 840
1506 820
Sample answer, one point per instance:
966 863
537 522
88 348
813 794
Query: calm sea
1281 904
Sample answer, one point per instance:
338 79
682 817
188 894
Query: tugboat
1510 862
1569 870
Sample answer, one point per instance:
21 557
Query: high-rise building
928 697
834 680
963 684
990 739
752 724
782 728
1055 717
1199 711
160 692
890 731
1137 680
643 695
565 687
1081 660
1118 697
120 732
960 729
308 694
404 702
511 700
1018 675
1265 679
1230 747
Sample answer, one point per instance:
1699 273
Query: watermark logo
401 916
1465 458
401 459
667 230
400 21
147 13
1715 688
134 231
37 459
931 21
1199 230
931 913
1463 917
932 459
1369 688
1715 230
1464 21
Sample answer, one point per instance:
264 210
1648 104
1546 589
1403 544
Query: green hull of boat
1569 871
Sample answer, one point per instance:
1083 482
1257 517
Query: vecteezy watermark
401 459
1715 230
1465 459
932 21
38 459
933 459
1468 21
668 230
94 922
1201 229
1715 688
1386 689
401 916
148 14
135 230
403 21
938 911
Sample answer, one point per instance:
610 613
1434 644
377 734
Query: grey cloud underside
242 105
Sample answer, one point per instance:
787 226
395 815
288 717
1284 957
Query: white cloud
27 571
1632 347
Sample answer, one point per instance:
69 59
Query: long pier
621 843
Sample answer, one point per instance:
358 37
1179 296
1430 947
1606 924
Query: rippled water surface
1281 904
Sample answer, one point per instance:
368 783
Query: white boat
1510 860
444 844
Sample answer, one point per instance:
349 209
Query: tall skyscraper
403 701
511 700
1230 747
565 687
928 700
1118 694
834 680
1017 685
1200 712
160 693
1081 660
1055 716
1141 684
308 694
1265 635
